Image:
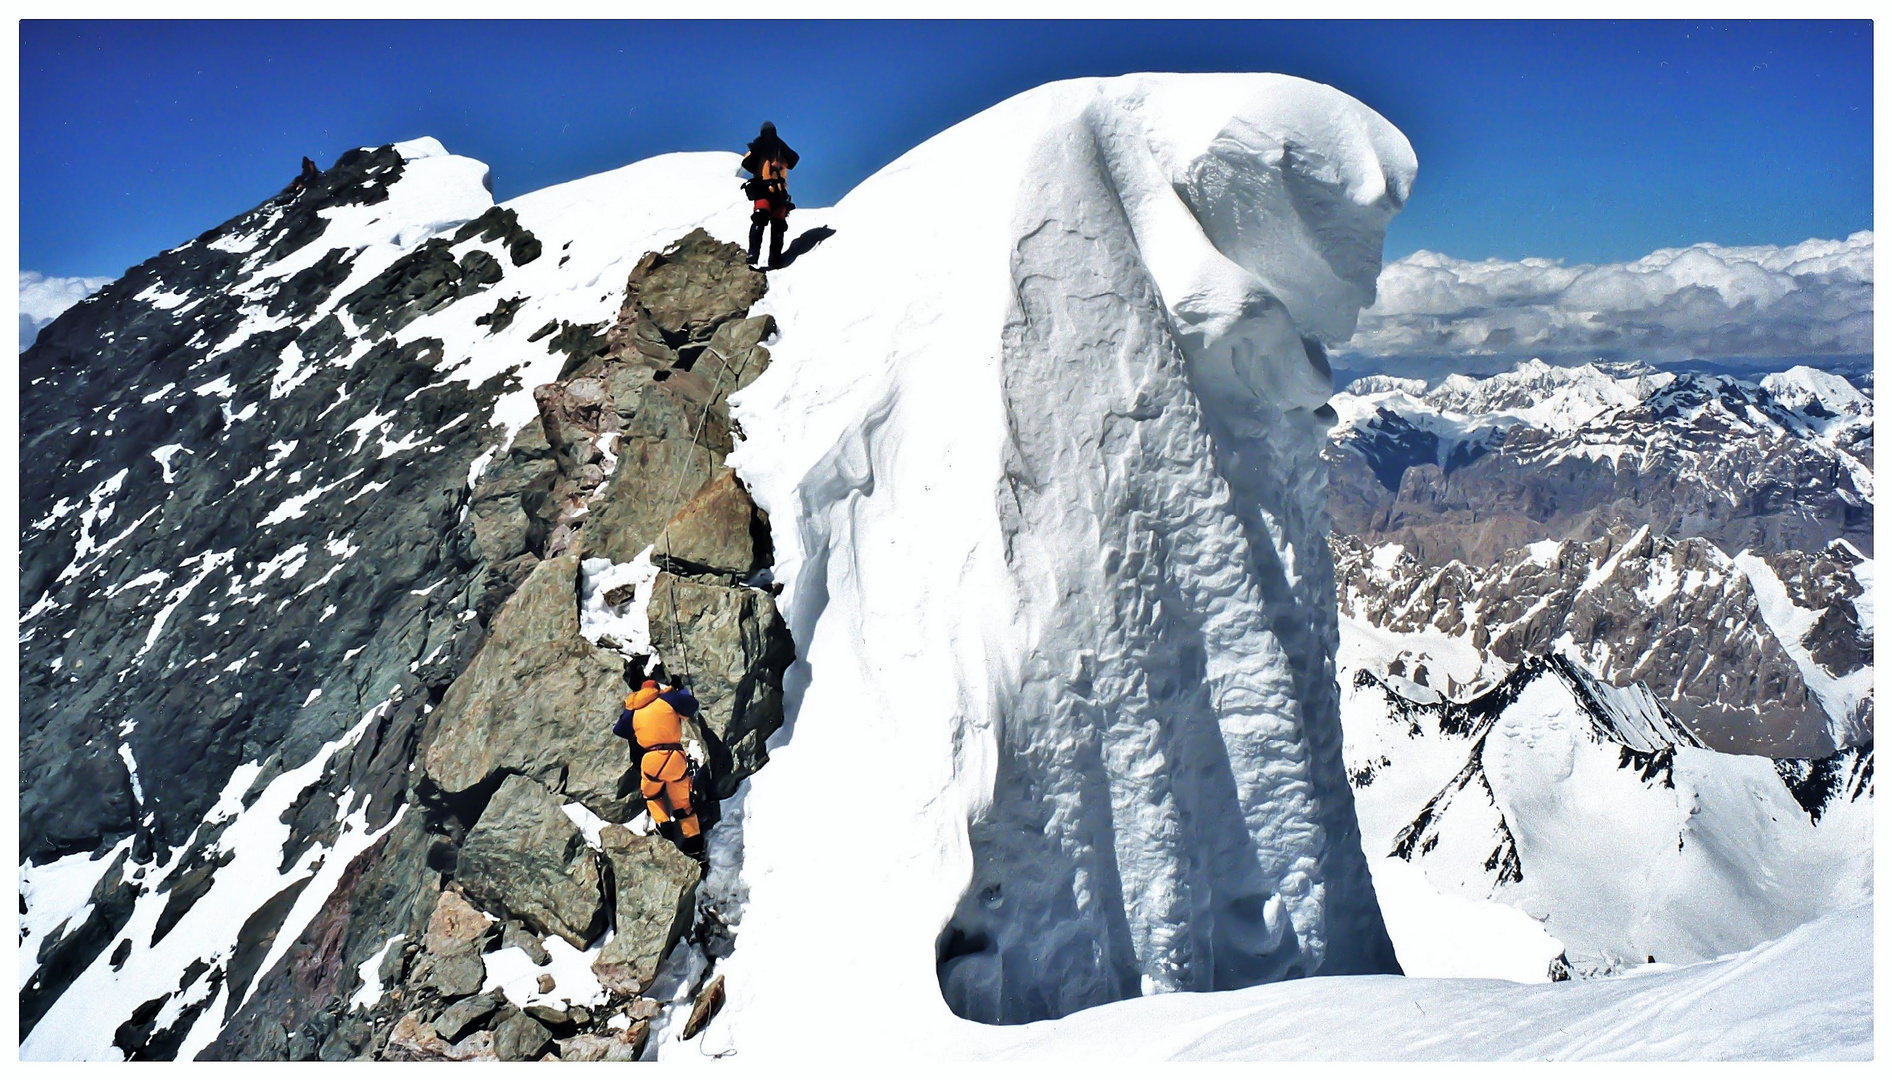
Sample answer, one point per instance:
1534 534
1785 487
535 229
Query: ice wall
1041 451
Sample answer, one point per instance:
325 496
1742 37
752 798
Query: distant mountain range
1704 536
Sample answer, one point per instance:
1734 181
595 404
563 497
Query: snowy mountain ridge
1516 795
1757 654
1592 411
362 511
384 438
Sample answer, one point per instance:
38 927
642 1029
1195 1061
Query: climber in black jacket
768 162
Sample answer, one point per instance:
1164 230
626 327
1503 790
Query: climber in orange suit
653 720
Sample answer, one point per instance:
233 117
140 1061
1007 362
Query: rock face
450 952
630 440
194 481
634 428
295 509
719 531
733 646
526 860
537 701
655 886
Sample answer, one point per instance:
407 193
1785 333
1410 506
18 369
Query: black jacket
765 147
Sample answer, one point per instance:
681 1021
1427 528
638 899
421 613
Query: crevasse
1041 449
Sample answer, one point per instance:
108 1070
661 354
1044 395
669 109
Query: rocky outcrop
525 860
450 961
732 646
635 428
448 572
535 701
655 886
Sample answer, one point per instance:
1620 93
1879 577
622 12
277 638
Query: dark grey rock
655 885
463 1015
539 700
526 860
733 647
520 1038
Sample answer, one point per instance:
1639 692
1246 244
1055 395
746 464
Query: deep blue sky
1582 142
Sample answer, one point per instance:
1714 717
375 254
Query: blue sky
1583 142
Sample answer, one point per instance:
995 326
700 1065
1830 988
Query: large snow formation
1043 463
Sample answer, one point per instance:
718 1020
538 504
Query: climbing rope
676 490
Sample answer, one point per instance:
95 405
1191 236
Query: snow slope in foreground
1807 996
1044 475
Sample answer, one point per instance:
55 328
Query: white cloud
43 298
1700 302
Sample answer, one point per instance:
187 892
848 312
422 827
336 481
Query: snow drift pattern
1701 301
1049 509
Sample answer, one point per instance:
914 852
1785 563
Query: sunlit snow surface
1806 996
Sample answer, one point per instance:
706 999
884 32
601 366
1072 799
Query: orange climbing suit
664 772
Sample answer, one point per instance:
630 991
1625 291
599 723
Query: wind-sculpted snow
1048 504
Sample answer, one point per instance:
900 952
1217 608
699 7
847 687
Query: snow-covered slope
1045 482
1523 795
1807 996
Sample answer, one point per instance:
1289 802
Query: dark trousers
777 224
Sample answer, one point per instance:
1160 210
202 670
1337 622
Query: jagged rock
709 1001
463 1015
733 646
414 1039
656 896
720 530
538 700
643 1008
450 960
735 356
525 859
255 938
625 1046
455 926
520 1038
502 223
553 1016
666 453
546 983
516 936
695 285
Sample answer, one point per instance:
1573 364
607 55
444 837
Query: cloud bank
43 298
1703 302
